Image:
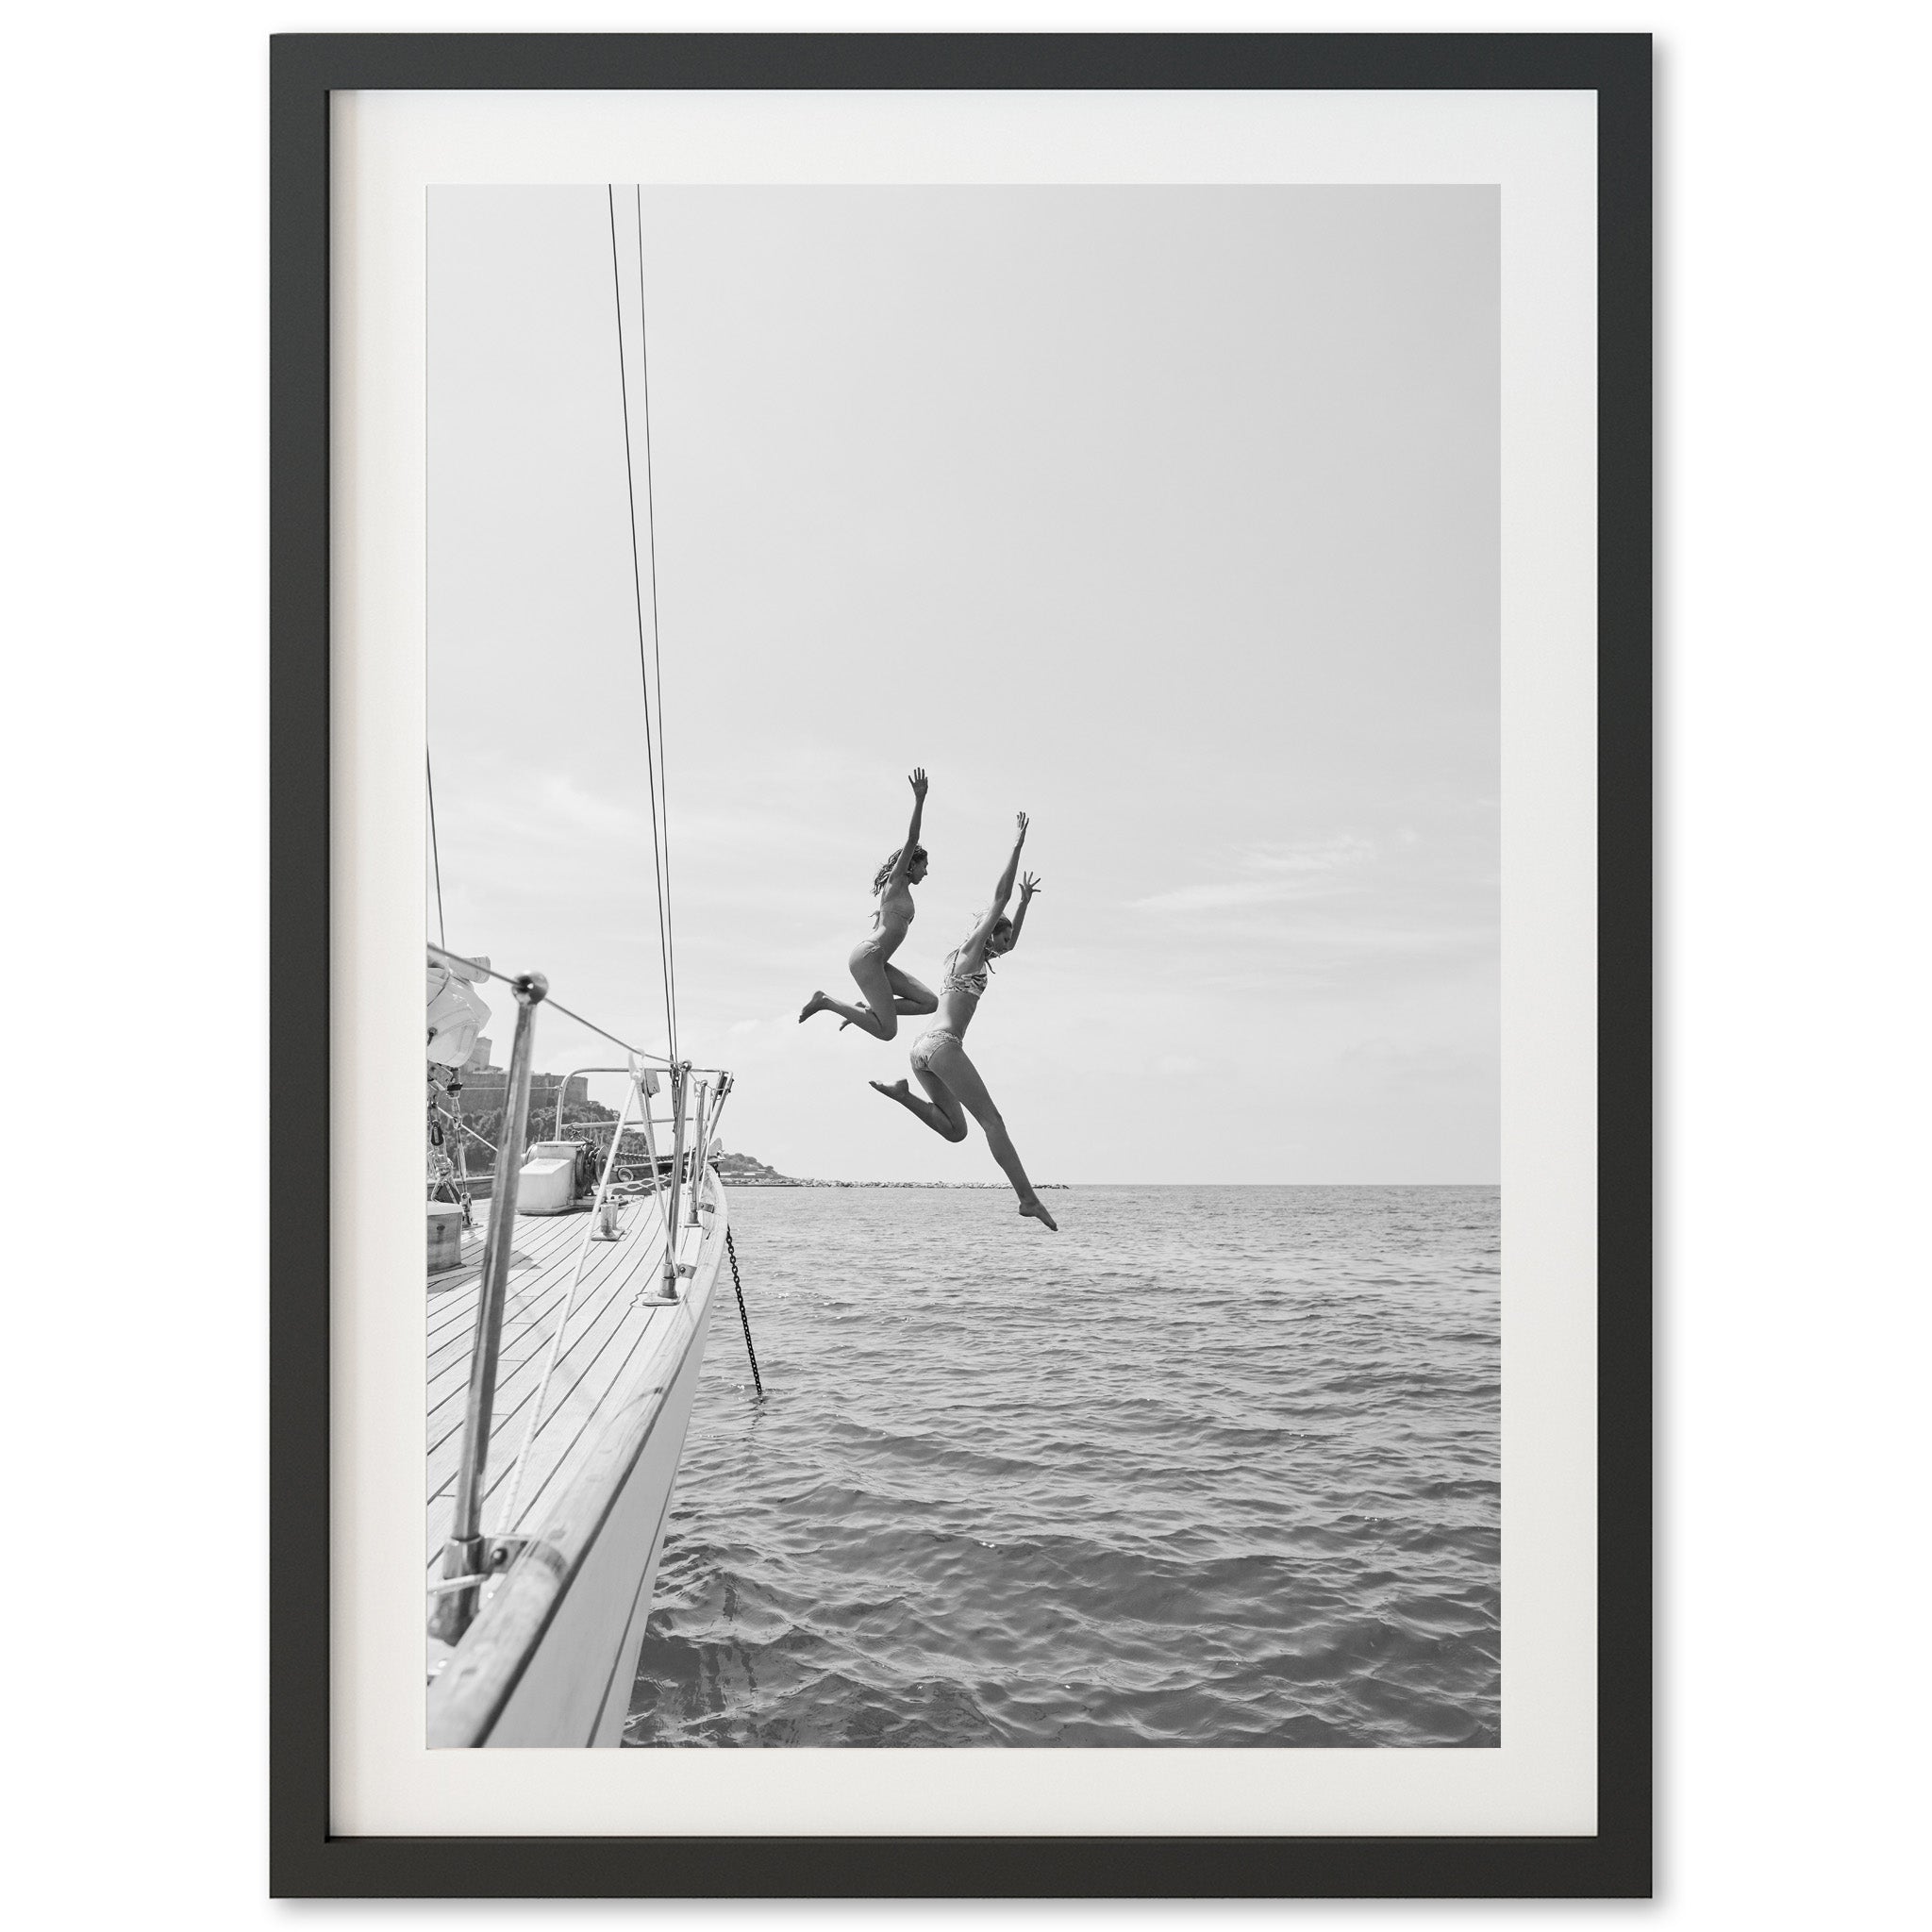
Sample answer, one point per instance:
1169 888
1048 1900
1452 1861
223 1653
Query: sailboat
567 1318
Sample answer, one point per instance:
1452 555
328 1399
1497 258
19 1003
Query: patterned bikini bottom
928 1044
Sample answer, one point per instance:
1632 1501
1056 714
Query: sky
1168 515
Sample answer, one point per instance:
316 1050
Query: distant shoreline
748 1180
747 1171
1065 1187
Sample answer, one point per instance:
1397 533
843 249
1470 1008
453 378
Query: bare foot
1035 1207
898 1091
817 1004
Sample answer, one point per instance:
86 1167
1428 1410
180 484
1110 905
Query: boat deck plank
607 1327
530 1310
612 1273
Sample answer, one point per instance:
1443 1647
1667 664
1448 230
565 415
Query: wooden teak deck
595 1486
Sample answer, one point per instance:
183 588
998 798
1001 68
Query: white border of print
386 149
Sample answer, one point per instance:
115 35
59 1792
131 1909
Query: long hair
885 871
986 960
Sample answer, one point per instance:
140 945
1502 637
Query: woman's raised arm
1001 893
903 862
1028 886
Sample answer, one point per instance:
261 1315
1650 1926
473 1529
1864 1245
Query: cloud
1415 1063
1333 854
567 805
1270 875
1227 895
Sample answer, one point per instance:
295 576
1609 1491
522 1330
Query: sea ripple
1214 1466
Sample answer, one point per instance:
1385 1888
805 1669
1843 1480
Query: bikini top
972 984
878 911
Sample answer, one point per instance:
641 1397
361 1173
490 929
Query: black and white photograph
1154 784
963 923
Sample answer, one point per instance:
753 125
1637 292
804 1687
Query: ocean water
1213 1466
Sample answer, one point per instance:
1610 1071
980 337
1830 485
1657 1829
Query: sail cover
456 1018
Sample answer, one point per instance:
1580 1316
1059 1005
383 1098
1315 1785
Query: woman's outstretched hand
1020 821
917 781
1028 886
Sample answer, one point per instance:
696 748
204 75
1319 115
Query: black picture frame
307 1860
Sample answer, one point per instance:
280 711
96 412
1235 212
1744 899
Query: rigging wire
656 650
435 852
637 598
475 969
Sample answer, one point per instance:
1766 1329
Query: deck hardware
697 1154
504 1550
444 1584
680 1093
462 1553
720 1095
563 1088
649 1089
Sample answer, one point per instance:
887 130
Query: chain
731 1250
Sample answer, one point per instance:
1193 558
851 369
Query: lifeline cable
475 969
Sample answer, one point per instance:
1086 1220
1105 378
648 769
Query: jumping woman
889 991
939 1056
